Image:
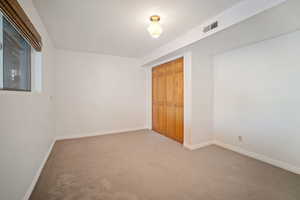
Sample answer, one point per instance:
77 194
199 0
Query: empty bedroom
149 100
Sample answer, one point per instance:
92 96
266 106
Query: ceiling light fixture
155 28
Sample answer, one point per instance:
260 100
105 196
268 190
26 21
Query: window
15 59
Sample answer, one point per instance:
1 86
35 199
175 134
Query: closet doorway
168 99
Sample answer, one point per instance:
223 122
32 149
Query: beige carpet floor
143 165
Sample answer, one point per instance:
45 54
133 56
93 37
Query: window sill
15 90
19 92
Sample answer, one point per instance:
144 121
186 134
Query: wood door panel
155 117
179 90
171 122
179 124
167 99
162 119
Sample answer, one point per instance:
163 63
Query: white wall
26 125
257 97
98 94
202 97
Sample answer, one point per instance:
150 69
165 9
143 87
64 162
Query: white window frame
36 71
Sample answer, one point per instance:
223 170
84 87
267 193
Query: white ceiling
119 27
280 20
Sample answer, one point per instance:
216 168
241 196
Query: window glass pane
16 59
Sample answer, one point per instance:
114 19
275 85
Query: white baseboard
263 158
98 134
260 157
198 146
36 177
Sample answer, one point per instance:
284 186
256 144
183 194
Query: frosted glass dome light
155 28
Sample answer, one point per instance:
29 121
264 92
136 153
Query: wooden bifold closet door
167 99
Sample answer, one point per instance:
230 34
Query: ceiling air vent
210 27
